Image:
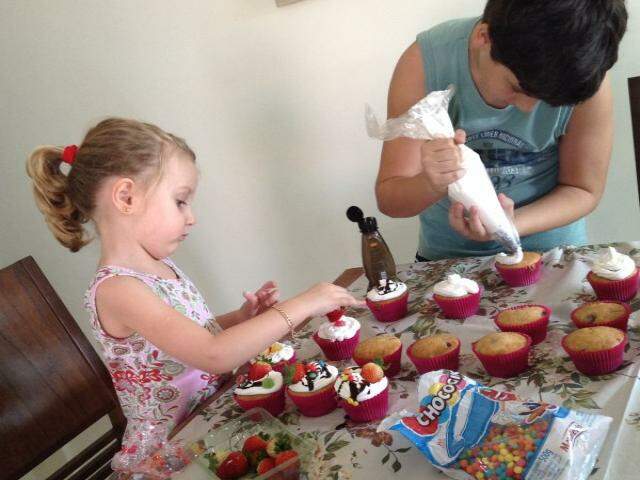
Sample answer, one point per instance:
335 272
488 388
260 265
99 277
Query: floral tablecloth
358 451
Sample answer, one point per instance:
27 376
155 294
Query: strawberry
234 466
293 470
259 370
339 323
372 372
253 444
280 443
335 315
294 373
265 465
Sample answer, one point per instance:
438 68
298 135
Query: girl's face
167 217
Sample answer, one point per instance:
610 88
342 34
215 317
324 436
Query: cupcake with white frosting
520 268
363 392
311 387
457 297
614 276
262 387
339 336
389 300
278 355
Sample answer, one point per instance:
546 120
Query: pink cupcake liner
320 403
338 350
390 310
508 364
448 361
520 277
620 323
597 363
280 366
536 330
392 362
622 290
459 307
375 408
272 403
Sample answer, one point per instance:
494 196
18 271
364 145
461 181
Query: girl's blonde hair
114 147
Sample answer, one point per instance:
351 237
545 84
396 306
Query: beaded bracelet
286 319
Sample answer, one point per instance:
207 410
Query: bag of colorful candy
469 431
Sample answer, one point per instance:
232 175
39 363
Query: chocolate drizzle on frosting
312 376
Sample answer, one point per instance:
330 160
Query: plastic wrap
469 431
428 120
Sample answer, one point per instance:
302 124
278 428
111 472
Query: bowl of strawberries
255 445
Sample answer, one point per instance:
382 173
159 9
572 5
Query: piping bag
429 119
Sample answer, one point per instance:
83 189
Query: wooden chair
634 101
53 385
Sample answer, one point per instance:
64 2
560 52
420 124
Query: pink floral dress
156 391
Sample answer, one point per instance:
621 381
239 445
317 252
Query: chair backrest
634 101
53 385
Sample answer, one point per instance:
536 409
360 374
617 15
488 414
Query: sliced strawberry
292 471
284 456
259 370
234 466
265 465
253 444
335 315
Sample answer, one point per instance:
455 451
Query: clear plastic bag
469 431
429 119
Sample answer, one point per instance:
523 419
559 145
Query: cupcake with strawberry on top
278 355
364 392
262 387
339 336
310 387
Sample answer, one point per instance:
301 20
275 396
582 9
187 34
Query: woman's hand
259 301
472 227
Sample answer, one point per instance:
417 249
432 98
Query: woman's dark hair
559 50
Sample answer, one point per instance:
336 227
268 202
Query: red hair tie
69 154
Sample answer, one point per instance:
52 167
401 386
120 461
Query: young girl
161 344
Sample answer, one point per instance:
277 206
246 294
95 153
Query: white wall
272 101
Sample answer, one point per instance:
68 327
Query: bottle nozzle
355 214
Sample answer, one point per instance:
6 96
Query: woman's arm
125 305
413 174
585 152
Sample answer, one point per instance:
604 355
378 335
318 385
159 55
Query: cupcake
435 352
363 392
278 355
262 387
519 269
503 354
530 319
614 276
338 337
385 349
608 313
311 387
457 297
388 301
596 350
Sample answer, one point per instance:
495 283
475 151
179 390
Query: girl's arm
125 305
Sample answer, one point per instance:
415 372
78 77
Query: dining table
348 450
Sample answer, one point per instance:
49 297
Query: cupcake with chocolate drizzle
310 387
363 392
388 301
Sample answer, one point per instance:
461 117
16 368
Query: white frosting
613 265
455 286
370 390
254 388
319 382
285 353
513 259
338 333
378 294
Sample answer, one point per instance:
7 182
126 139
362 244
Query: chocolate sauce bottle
377 260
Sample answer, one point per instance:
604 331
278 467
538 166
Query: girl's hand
472 227
325 297
259 301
